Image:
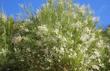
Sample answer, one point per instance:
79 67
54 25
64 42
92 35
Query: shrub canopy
60 37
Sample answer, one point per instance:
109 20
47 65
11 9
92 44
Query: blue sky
101 8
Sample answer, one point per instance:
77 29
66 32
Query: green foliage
106 51
60 37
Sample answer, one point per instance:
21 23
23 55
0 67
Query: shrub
60 37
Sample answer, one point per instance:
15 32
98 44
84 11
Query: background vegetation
61 36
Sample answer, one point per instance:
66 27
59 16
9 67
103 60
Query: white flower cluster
85 37
43 28
82 9
17 39
3 17
95 19
100 43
